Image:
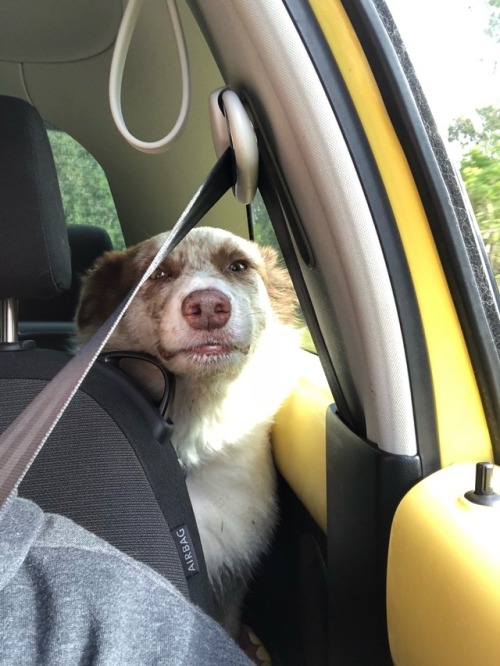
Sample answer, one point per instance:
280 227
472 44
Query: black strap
24 438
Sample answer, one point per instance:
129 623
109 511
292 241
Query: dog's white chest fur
223 442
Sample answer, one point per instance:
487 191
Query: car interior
385 551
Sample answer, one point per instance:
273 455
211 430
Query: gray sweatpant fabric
69 599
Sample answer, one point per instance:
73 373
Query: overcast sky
454 58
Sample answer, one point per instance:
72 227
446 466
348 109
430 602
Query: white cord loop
120 52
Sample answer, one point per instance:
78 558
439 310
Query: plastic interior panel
299 438
443 585
365 485
281 81
57 31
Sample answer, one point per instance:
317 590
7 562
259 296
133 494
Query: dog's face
204 308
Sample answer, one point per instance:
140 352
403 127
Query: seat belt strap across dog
23 439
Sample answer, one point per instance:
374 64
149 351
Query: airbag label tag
185 549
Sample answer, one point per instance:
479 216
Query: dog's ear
279 286
104 287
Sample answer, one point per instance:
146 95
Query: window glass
84 188
263 234
454 46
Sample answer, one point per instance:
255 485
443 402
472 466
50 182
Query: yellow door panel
443 585
299 438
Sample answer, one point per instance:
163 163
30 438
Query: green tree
493 29
84 187
480 170
262 228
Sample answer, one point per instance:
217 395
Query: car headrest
87 243
35 257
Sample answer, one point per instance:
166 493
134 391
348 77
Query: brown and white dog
219 314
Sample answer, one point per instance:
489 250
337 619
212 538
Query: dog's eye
158 274
238 266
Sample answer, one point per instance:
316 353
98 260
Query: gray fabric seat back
105 465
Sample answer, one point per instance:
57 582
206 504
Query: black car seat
50 322
108 464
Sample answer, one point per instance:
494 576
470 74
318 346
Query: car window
84 188
263 233
457 64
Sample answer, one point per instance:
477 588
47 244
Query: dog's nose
206 309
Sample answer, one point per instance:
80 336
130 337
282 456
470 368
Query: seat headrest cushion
87 243
35 257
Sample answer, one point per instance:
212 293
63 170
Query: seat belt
23 439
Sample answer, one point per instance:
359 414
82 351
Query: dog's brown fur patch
112 277
279 286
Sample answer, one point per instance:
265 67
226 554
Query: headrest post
8 320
